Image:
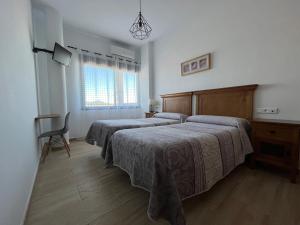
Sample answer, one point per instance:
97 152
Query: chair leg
66 145
44 150
47 150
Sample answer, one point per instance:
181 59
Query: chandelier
140 28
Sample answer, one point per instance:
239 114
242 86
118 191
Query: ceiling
113 18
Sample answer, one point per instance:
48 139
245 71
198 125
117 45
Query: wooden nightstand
149 114
277 142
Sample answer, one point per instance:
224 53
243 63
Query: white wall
18 142
81 120
79 38
251 42
145 77
48 29
56 71
41 65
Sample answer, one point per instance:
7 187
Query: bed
176 107
176 162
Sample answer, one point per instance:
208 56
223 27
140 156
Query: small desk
46 146
47 116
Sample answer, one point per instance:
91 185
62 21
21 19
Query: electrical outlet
267 110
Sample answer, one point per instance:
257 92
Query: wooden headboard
178 103
231 101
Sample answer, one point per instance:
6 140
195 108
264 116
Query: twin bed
176 108
102 130
178 161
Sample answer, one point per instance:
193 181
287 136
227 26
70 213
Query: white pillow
172 116
220 120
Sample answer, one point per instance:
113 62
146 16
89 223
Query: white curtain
108 83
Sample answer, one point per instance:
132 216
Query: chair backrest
66 127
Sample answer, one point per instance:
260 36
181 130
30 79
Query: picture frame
199 64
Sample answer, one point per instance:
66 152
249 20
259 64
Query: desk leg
44 151
47 149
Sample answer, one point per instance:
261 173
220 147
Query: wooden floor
80 191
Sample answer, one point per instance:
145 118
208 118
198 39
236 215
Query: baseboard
62 147
77 139
31 190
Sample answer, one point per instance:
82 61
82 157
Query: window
104 86
99 86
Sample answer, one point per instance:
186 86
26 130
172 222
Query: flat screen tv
61 55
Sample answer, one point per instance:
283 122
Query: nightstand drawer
274 132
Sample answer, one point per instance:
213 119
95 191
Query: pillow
220 120
172 116
242 124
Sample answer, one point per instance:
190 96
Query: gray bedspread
179 161
102 130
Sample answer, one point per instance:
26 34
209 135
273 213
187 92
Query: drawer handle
272 132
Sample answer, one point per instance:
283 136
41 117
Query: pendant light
140 28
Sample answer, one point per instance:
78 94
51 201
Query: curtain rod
100 54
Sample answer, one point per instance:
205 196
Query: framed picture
196 65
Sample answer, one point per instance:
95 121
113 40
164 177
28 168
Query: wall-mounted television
61 55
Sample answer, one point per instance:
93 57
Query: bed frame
178 103
231 101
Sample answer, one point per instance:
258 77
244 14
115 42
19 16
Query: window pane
99 86
129 88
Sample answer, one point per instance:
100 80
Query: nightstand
149 114
277 142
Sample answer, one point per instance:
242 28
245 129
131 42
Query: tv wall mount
36 50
